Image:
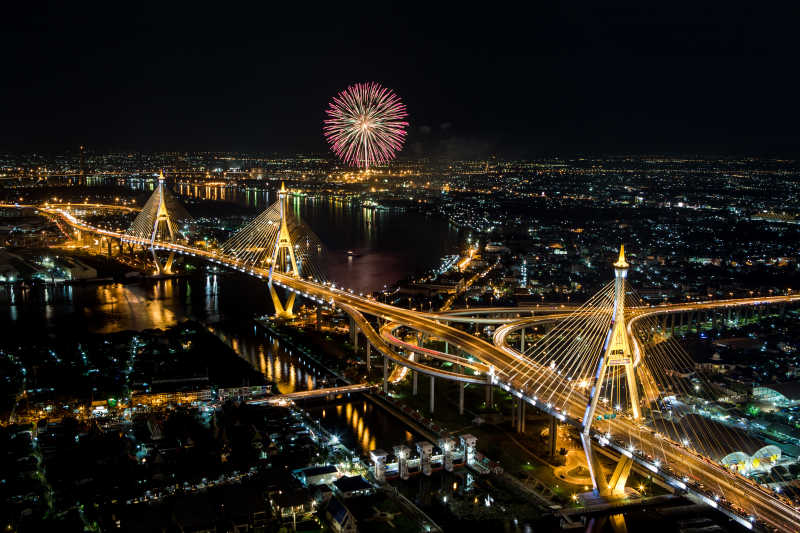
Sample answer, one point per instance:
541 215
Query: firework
366 125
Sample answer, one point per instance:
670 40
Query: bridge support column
319 325
281 310
488 399
353 333
619 478
461 397
385 375
446 347
596 469
522 415
414 379
553 436
514 408
166 268
433 393
782 310
522 340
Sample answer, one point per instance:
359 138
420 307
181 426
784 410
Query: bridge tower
162 225
158 223
617 357
284 258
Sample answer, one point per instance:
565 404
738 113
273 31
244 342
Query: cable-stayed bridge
611 367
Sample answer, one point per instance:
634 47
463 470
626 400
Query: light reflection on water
363 426
287 368
145 304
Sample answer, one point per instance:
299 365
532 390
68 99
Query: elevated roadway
681 467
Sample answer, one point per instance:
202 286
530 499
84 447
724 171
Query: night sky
478 78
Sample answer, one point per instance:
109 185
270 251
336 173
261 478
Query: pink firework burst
366 125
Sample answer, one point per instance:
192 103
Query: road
677 464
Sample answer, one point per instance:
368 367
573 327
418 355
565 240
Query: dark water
363 426
283 365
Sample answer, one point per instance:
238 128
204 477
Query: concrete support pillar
433 393
461 397
522 417
319 318
446 347
414 379
553 436
488 399
714 320
369 358
385 375
782 310
514 412
522 340
620 476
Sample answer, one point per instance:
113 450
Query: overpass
561 375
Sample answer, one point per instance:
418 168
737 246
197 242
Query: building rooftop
791 389
352 483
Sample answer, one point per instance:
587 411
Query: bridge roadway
313 393
474 315
770 510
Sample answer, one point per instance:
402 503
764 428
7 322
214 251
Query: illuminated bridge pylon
280 243
159 221
617 358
